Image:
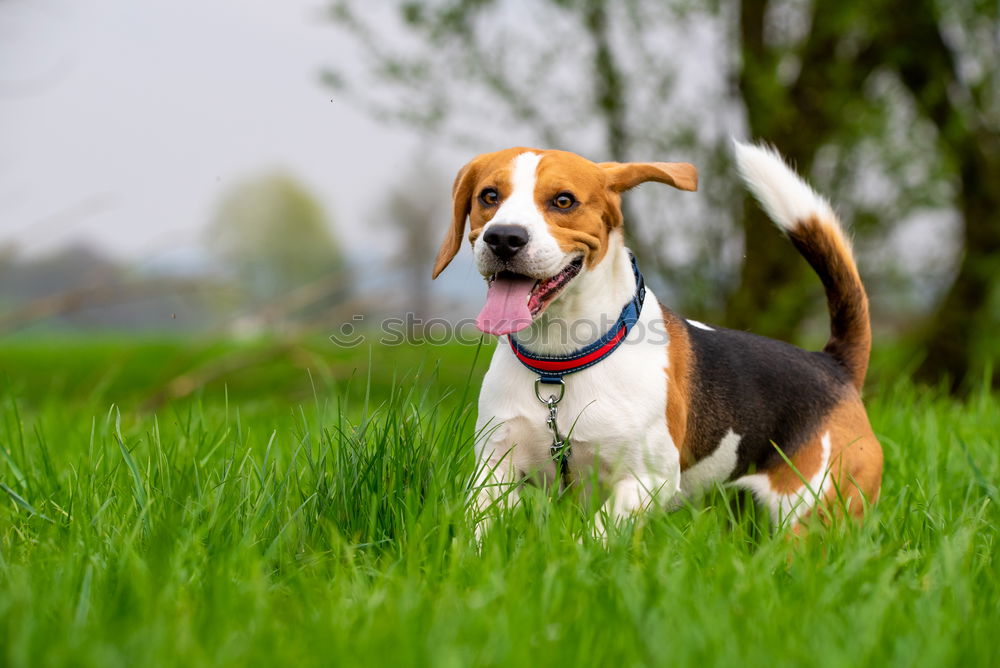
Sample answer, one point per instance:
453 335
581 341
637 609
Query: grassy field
306 506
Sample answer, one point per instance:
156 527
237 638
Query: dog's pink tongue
506 309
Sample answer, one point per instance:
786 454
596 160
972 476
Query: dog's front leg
642 474
495 488
629 496
634 495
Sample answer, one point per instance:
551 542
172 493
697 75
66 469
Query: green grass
309 509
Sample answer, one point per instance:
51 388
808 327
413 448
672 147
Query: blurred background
192 173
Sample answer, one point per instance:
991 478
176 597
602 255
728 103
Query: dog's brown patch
854 471
856 457
806 461
586 226
678 385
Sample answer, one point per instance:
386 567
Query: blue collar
552 368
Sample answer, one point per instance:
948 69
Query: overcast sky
122 123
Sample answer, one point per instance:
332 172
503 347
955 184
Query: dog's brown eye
563 201
489 197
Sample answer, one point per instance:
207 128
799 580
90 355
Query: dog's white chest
613 413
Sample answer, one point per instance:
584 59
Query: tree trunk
768 298
964 320
609 101
798 118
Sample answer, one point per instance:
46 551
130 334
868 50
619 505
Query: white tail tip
783 194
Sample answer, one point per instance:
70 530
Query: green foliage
891 108
309 520
273 236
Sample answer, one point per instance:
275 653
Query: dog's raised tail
814 229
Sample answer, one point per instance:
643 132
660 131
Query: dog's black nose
505 240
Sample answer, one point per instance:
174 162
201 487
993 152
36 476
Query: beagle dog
592 373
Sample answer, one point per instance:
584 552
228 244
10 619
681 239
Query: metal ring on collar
552 397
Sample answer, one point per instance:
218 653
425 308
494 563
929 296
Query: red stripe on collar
568 365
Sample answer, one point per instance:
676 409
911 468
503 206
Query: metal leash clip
560 447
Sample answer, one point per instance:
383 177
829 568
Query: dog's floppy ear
625 175
461 196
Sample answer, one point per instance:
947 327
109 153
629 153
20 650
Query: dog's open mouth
513 301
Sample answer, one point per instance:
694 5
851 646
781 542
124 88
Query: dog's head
537 219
